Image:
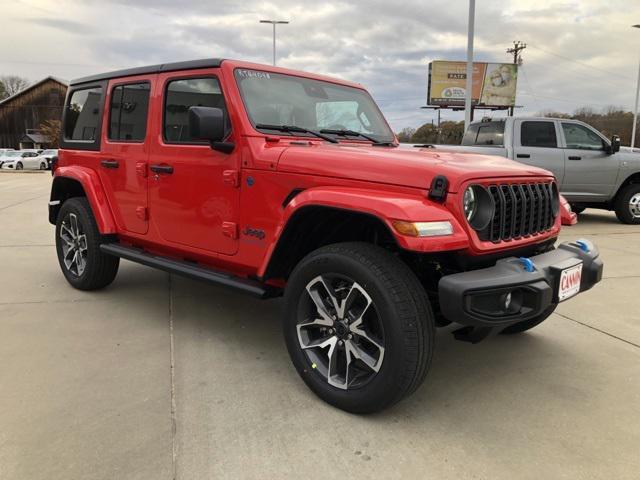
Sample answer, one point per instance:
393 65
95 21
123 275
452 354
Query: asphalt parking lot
159 377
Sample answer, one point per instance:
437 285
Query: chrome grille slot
522 210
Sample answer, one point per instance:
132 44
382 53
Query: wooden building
22 114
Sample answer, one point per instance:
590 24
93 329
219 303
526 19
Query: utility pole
274 23
518 46
468 108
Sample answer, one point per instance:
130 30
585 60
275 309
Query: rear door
125 151
536 143
194 192
591 172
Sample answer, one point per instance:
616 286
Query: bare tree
51 130
12 84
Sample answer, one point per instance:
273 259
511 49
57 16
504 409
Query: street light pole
635 110
274 23
469 87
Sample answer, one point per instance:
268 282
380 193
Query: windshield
12 154
277 99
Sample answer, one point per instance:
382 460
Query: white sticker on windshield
253 74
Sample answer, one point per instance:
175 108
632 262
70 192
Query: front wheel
19 166
78 246
43 166
627 204
358 326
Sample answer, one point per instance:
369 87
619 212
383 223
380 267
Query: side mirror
208 123
615 144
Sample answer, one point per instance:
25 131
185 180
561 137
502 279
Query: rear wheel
529 324
627 205
78 246
358 326
19 166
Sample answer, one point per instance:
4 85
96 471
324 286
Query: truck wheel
358 326
78 246
529 324
627 204
577 210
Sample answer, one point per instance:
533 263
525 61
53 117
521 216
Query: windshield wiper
295 129
353 133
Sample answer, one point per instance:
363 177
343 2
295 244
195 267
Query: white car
23 159
48 155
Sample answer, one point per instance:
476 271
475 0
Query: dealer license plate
569 282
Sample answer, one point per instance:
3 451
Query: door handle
523 155
162 168
573 157
110 163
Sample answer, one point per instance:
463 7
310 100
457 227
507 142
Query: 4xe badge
254 232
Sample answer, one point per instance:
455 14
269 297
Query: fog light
506 301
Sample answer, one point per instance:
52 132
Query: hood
399 166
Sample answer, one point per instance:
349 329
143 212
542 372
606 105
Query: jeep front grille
521 210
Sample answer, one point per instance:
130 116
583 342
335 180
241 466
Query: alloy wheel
74 245
340 331
634 205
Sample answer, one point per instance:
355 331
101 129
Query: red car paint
200 211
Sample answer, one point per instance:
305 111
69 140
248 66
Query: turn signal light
423 229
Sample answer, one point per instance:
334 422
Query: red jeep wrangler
273 182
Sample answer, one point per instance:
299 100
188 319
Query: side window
538 134
486 133
82 115
185 93
581 138
128 112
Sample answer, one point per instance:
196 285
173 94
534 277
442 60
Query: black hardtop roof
162 67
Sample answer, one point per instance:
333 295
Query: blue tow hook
527 264
584 245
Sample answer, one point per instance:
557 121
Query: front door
125 151
591 172
193 190
536 143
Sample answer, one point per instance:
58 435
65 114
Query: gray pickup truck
592 171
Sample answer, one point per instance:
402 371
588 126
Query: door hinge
230 229
141 213
141 169
231 178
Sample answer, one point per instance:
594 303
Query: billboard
494 84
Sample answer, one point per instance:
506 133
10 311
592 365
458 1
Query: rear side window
538 134
82 115
128 112
487 134
185 93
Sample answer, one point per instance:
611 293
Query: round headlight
479 206
469 202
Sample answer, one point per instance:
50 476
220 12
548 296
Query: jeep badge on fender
369 243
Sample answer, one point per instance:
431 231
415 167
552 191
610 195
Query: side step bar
187 269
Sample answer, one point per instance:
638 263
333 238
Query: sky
580 53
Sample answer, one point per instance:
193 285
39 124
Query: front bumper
507 293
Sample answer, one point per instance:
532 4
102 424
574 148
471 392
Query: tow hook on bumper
515 289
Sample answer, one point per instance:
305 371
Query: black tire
43 166
577 210
529 324
19 166
399 304
623 203
99 269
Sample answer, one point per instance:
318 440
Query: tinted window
581 137
538 134
83 114
486 133
182 94
128 112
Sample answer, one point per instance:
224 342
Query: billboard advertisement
494 84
